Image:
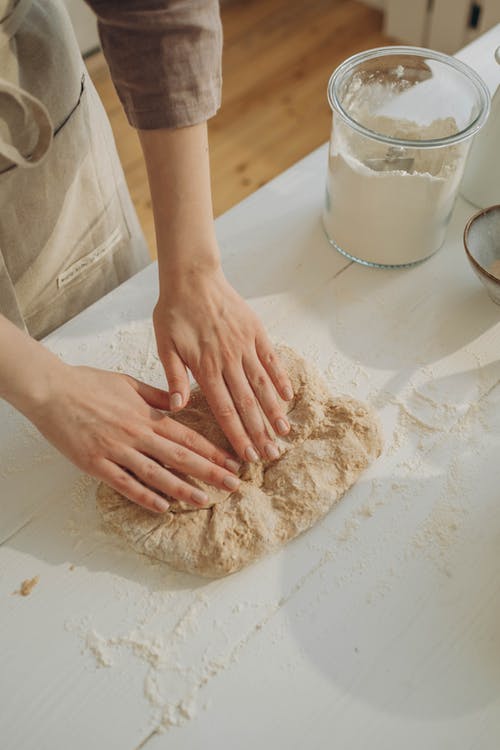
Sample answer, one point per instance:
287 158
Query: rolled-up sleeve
164 57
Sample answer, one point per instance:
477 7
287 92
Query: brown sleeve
164 57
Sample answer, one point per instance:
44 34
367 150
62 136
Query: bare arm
28 370
200 321
109 425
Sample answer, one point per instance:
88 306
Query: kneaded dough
332 440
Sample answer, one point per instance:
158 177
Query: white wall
441 25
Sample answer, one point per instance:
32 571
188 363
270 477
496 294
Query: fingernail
175 401
282 426
288 393
231 465
162 505
251 454
232 483
199 497
271 451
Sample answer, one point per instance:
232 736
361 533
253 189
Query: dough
332 440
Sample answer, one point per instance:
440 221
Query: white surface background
380 628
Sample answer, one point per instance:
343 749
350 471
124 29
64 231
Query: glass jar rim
348 65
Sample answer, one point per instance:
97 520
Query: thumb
178 381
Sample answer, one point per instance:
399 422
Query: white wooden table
380 628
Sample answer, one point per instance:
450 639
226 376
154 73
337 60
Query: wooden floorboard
278 56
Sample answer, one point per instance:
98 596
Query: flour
393 217
99 648
439 530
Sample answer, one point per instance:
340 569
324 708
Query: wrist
181 269
37 385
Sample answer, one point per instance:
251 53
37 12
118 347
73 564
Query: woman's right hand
112 426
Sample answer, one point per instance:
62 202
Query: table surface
378 628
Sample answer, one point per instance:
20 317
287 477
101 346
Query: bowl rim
471 258
399 50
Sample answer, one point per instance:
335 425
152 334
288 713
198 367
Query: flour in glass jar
391 216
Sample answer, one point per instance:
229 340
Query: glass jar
403 120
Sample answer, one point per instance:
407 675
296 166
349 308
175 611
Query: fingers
185 436
234 397
157 477
249 412
154 475
271 363
185 461
177 377
131 488
155 397
266 394
224 410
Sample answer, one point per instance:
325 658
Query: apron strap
10 23
33 109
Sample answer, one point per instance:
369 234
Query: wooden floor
278 56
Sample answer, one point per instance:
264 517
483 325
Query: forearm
179 179
27 369
200 321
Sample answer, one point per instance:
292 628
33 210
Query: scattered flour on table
174 680
99 648
170 686
440 529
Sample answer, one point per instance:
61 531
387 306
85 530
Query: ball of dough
331 441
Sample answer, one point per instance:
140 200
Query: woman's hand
110 425
201 323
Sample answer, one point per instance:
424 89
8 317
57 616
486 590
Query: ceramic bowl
482 245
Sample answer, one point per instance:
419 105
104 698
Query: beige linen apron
68 230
